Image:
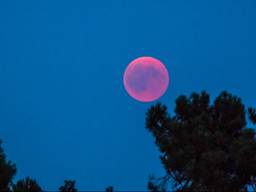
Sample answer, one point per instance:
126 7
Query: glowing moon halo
146 79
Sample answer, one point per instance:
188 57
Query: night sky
64 112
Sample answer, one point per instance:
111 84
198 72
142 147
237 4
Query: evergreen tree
27 185
69 186
204 146
7 171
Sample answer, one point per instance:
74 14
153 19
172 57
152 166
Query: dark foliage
69 186
109 189
204 147
7 171
157 184
27 185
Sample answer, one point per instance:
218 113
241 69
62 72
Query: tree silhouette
204 146
69 186
7 171
27 185
109 189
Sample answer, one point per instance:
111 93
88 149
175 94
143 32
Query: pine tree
69 186
204 146
27 185
7 171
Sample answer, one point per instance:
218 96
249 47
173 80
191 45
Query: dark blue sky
64 112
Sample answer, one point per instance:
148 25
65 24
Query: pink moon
146 79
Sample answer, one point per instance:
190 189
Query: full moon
146 79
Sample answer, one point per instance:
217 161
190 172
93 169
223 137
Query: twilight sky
64 112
